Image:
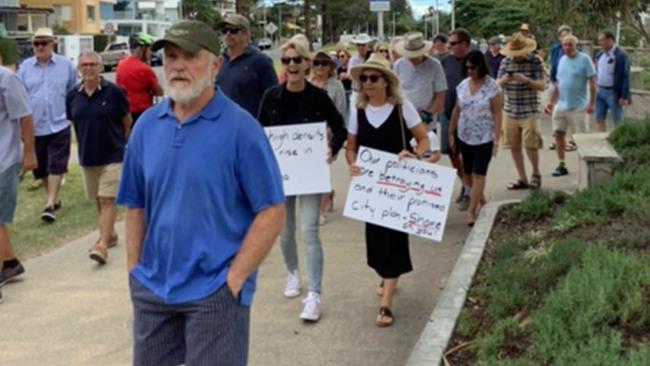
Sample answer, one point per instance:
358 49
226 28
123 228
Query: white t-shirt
476 123
378 115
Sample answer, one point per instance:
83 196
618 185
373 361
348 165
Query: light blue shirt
201 184
573 75
606 64
13 107
47 86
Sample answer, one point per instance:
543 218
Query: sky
422 6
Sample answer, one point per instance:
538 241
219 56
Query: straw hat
376 63
519 45
413 45
44 32
524 27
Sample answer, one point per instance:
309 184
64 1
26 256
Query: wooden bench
596 159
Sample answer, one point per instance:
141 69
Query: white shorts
563 119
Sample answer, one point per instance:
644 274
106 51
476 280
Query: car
113 54
156 58
264 44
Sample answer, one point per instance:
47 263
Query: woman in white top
382 119
475 127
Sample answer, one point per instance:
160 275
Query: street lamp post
618 26
394 13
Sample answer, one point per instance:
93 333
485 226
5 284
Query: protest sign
301 152
407 195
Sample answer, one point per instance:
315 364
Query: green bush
538 205
632 142
577 323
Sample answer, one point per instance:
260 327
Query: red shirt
138 80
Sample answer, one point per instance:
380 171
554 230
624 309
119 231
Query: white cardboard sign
407 195
301 152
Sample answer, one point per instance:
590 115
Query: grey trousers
213 331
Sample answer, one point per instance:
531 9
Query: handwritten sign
407 195
301 152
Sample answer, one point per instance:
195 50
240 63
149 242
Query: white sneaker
292 289
311 312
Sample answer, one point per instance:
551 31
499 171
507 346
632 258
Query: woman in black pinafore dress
383 120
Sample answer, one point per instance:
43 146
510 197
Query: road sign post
380 6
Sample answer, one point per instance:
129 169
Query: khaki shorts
563 120
102 181
518 131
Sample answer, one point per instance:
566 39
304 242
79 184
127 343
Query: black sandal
384 312
535 181
518 184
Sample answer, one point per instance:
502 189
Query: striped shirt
521 101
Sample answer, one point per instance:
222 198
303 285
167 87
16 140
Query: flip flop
384 312
517 185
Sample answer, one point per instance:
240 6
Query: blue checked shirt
47 87
521 100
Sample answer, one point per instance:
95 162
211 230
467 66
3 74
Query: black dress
387 250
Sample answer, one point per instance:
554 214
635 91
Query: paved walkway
68 311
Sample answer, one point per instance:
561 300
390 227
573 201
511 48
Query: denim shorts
8 192
605 100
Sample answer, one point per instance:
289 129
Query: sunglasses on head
321 63
287 60
40 43
230 30
372 78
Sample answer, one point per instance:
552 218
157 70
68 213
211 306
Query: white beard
186 94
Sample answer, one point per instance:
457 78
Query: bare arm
495 106
592 95
157 90
257 244
29 153
127 122
437 103
135 230
420 134
453 124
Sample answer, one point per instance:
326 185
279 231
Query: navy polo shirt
246 78
97 121
201 184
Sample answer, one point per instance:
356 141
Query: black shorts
52 153
476 158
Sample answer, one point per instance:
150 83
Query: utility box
597 158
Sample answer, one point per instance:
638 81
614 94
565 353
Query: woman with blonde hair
383 119
382 49
344 57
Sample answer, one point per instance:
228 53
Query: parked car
264 44
113 54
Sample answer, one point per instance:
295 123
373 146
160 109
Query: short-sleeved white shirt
476 122
376 116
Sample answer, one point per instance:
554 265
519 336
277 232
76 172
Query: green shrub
537 205
506 333
576 325
630 134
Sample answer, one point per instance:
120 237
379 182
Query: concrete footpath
69 311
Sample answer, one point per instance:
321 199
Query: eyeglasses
372 78
230 30
321 63
40 43
296 60
471 67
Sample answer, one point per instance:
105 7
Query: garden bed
565 280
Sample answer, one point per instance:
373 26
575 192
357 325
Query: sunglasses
296 60
230 30
372 78
383 50
40 43
343 55
471 67
610 60
321 63
452 44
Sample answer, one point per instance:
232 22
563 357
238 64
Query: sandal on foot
385 317
535 181
518 184
571 146
551 146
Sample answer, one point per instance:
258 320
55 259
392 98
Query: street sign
108 28
379 5
271 28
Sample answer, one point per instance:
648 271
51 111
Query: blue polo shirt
246 78
201 184
97 121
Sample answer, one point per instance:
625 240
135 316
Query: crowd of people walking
412 97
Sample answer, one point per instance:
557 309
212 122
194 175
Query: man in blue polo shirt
100 114
246 73
205 205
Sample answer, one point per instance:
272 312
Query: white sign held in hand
301 152
407 195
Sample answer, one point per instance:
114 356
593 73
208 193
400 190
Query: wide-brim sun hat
519 45
375 63
413 45
362 38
